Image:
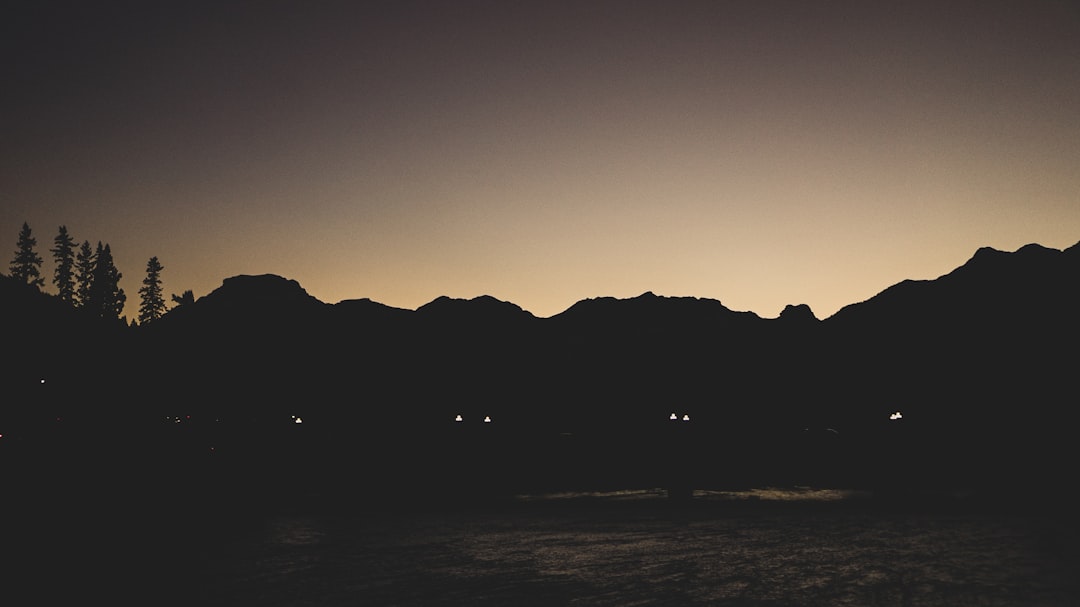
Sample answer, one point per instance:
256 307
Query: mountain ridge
980 360
983 256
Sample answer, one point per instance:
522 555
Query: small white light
673 417
686 418
42 380
458 418
487 419
896 415
297 420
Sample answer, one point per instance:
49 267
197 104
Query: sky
759 153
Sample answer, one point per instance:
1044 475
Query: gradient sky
759 153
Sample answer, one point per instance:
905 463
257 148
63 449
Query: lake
764 546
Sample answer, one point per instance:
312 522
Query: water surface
632 548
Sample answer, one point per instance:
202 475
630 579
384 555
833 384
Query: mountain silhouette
800 313
980 361
994 331
484 309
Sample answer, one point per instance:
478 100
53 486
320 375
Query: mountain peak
993 284
798 313
1036 249
483 306
250 297
261 287
1028 250
259 281
986 252
988 259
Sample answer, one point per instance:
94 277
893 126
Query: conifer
27 263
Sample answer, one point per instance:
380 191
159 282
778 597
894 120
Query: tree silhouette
153 302
25 266
106 297
64 275
188 297
84 274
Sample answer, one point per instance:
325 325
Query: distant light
458 418
686 418
487 419
896 415
42 380
297 420
673 417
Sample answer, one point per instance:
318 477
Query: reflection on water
775 494
797 494
625 548
295 531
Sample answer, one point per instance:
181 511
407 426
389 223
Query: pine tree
153 302
25 266
64 274
84 275
106 297
187 297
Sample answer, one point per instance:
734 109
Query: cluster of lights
459 418
674 417
176 419
896 415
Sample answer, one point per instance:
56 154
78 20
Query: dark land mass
260 393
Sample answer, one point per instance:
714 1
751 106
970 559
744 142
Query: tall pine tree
106 297
64 274
84 275
153 301
27 263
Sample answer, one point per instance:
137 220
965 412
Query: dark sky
759 153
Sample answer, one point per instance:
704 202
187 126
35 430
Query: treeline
87 278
